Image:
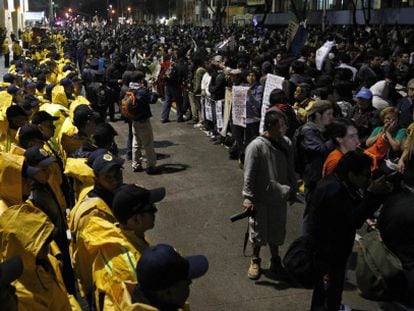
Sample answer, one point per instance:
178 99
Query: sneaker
198 125
165 121
152 170
344 307
278 270
254 270
138 168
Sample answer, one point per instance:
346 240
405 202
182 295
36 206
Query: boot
278 270
254 270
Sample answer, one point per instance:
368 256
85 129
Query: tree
300 12
367 11
219 12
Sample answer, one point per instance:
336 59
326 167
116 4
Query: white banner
209 110
219 114
239 98
272 82
227 111
322 53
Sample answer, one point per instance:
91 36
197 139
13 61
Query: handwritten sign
239 98
272 82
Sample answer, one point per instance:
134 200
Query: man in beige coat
269 182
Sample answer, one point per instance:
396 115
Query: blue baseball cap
364 94
161 266
104 162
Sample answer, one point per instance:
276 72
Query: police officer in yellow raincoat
41 286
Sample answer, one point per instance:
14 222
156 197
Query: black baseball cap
82 114
40 116
30 131
8 77
28 83
94 154
13 90
15 111
131 199
36 156
161 266
104 162
66 82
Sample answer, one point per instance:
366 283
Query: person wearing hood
41 286
98 204
134 208
76 132
15 118
45 198
15 182
269 182
28 136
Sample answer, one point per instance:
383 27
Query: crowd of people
334 131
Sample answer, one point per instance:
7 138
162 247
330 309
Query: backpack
299 263
129 101
377 268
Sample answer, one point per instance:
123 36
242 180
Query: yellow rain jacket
82 175
5 46
122 295
10 180
68 137
37 289
56 110
79 218
8 136
115 258
59 96
79 100
5 100
17 49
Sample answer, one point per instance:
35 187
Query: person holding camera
269 182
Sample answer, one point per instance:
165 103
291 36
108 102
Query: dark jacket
141 110
336 212
396 224
315 148
405 106
365 120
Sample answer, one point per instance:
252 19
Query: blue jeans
172 93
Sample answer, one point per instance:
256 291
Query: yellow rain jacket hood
56 110
59 96
37 289
78 220
115 257
82 174
11 192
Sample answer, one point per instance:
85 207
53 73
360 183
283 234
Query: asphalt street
203 191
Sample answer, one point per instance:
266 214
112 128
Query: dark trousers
172 94
7 60
327 293
243 136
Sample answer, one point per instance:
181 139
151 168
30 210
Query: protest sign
239 98
272 82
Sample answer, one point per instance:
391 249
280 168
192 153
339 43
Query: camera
246 213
